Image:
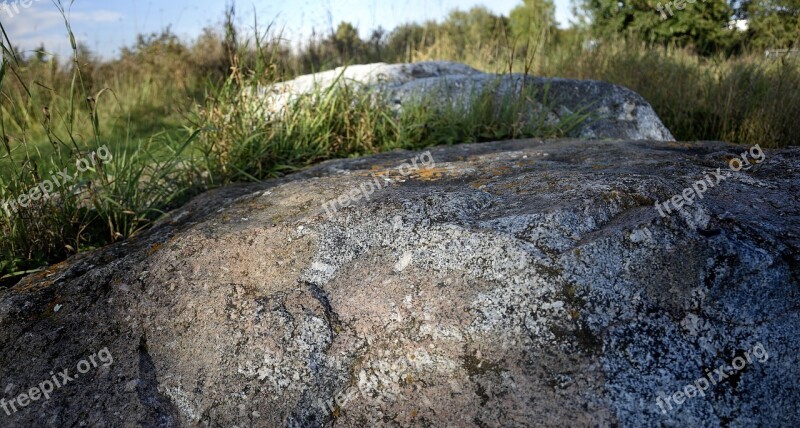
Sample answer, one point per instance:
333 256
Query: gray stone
521 283
617 112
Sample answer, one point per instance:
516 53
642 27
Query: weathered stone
519 283
618 113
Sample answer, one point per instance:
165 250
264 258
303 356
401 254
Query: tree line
708 27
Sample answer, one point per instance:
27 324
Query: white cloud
97 16
31 21
41 23
40 18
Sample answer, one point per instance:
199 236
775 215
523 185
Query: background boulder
616 112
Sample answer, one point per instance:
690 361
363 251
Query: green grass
223 141
746 100
51 117
341 122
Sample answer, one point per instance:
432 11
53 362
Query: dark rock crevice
161 413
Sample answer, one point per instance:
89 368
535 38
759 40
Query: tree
375 44
346 42
40 53
407 38
702 24
478 26
773 23
532 20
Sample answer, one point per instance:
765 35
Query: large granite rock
616 112
522 283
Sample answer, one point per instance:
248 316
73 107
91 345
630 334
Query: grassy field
171 117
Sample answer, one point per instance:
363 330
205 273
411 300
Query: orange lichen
152 250
477 184
431 174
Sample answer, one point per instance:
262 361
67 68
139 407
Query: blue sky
105 26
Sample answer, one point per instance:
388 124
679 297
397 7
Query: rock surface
619 113
521 283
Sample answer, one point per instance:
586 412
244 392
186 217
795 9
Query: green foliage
343 46
533 19
341 121
346 41
773 24
704 25
46 129
700 24
478 25
407 39
58 115
745 100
